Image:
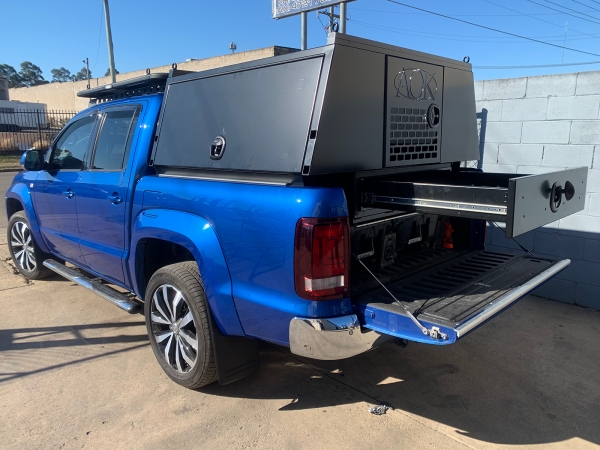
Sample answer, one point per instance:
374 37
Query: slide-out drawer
524 202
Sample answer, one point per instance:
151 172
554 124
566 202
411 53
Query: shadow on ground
529 377
25 342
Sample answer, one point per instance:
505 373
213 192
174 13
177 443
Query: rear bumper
332 338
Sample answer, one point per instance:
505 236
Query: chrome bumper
331 339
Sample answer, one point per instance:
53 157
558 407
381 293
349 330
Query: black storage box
352 105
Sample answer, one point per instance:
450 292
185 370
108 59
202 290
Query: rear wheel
177 318
25 253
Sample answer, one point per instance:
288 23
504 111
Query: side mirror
33 160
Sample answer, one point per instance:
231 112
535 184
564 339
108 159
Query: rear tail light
322 258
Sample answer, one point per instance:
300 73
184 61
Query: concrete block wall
540 124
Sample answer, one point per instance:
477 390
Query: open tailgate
455 295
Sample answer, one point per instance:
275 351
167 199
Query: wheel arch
18 198
148 261
13 205
163 237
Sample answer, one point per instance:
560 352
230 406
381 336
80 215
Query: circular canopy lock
434 114
557 193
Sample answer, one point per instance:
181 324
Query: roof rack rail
175 72
146 84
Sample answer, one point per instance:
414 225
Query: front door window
70 151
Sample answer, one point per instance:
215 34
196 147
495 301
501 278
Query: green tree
83 74
61 75
13 77
108 72
30 74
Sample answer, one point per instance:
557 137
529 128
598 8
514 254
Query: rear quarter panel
255 227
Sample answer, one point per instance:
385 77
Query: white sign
285 8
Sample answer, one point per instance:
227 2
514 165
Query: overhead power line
99 35
469 38
564 12
494 29
588 6
537 66
570 9
537 18
461 15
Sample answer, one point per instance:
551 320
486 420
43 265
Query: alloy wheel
174 328
21 243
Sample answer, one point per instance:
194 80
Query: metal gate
25 129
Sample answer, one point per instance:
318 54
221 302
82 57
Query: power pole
331 18
87 71
343 15
303 30
111 56
334 26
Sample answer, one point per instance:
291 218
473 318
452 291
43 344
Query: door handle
68 193
115 199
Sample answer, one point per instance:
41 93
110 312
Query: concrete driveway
77 372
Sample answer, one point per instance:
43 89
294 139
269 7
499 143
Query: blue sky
149 33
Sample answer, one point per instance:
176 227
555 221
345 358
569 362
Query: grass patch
10 162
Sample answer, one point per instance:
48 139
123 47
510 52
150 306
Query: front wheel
177 318
25 253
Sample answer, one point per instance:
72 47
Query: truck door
55 189
102 197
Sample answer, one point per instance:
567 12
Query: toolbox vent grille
411 138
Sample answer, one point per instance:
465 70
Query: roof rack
146 84
150 83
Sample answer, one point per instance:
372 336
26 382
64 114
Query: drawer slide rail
524 202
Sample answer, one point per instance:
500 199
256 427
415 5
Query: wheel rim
174 328
21 243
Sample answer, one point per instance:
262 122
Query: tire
173 326
26 254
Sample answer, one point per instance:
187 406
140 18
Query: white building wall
537 124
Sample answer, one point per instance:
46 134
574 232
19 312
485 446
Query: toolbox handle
557 193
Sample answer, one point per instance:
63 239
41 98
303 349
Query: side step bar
106 292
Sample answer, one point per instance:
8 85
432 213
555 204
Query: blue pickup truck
317 200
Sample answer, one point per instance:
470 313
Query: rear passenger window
112 148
